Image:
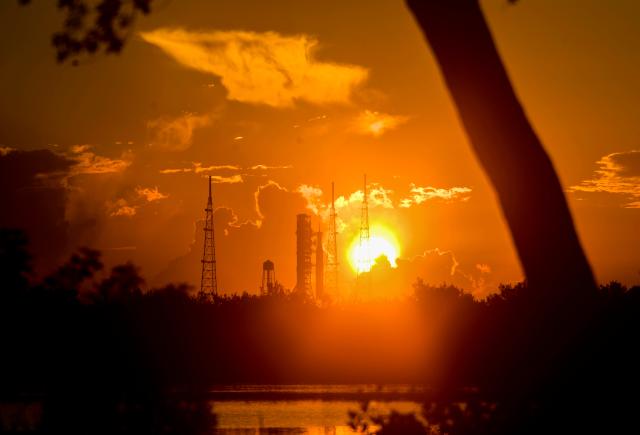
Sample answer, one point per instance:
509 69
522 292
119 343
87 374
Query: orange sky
277 99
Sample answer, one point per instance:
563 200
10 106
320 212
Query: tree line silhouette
97 350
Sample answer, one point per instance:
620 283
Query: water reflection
295 416
237 409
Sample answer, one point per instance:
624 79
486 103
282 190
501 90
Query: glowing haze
275 100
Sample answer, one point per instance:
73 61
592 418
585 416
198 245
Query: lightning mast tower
365 261
332 250
209 280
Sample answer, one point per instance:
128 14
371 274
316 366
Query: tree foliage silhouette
91 26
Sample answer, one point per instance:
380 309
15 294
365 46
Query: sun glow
382 242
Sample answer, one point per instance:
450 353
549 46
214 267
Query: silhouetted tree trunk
509 150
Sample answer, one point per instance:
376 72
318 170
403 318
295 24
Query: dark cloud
34 200
434 266
629 163
618 174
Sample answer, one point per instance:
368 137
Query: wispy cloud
175 171
120 208
441 253
267 167
176 133
233 179
379 196
376 123
229 179
262 68
198 168
134 201
88 162
420 194
619 174
256 197
483 268
150 194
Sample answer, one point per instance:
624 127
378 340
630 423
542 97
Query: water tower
268 278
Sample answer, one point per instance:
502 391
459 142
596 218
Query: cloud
262 68
269 185
483 268
129 206
431 264
421 194
197 168
176 134
379 196
175 171
441 253
88 162
376 123
233 179
219 179
150 194
267 167
619 174
313 196
345 201
120 208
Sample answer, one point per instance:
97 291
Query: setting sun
381 243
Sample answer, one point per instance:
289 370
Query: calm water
274 409
293 411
